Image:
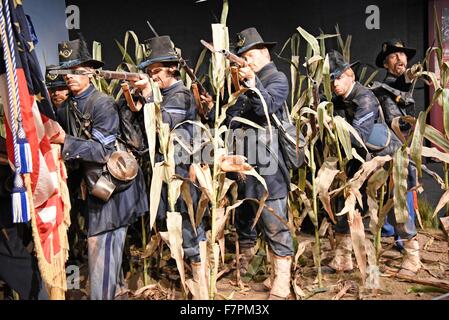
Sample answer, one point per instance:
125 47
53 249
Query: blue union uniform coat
273 85
361 109
123 208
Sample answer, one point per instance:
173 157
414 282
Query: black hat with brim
393 46
75 53
159 49
53 81
338 65
250 38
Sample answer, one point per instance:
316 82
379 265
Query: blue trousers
276 233
105 263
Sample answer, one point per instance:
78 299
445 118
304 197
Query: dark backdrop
187 22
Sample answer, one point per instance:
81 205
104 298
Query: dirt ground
346 286
434 257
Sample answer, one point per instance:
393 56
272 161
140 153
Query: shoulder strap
84 119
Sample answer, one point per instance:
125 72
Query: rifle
400 97
108 75
197 88
236 60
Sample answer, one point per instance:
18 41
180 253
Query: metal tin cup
103 188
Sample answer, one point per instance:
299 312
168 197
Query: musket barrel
120 75
234 58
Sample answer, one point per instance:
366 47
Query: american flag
49 207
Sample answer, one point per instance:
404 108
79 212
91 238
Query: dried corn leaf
308 207
314 59
202 206
155 191
358 242
435 153
418 140
228 183
433 78
187 197
221 223
434 136
326 176
443 201
152 246
400 172
302 245
247 122
259 211
326 79
231 102
204 177
445 105
343 130
173 238
375 182
357 181
149 111
300 294
219 62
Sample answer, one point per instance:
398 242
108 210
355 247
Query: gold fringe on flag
53 274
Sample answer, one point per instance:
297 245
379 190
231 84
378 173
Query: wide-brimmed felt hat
54 80
75 53
338 65
392 46
249 38
159 49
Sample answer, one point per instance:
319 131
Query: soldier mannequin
261 73
57 88
360 108
108 219
394 57
177 106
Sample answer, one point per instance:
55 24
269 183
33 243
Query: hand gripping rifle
108 75
235 60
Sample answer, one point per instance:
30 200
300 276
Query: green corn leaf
436 137
327 79
125 55
371 78
313 42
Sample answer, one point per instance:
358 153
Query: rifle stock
197 89
235 77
